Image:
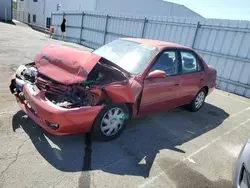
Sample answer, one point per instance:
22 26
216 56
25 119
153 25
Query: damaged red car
67 91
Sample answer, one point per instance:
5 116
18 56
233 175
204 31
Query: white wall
145 7
67 5
5 10
43 8
27 7
36 8
22 5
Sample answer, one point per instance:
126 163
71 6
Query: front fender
124 93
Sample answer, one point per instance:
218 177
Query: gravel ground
175 148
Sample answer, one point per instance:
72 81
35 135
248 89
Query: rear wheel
110 122
198 101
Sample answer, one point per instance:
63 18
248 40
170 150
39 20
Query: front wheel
198 101
110 122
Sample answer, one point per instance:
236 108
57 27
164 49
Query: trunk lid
65 65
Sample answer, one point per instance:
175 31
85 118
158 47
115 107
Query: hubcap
112 121
199 99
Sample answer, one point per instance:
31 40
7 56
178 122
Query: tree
13 4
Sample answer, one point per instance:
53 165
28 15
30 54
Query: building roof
180 5
146 8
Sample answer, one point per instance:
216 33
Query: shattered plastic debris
89 82
61 104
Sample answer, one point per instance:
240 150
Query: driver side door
162 93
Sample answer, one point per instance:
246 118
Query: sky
221 9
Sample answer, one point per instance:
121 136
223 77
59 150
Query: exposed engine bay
68 96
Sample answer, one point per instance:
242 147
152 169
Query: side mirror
156 74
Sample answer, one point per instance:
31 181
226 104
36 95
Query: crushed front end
60 109
65 89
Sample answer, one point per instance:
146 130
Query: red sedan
68 91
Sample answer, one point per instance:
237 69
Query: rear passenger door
192 76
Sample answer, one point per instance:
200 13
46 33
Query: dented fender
121 93
124 93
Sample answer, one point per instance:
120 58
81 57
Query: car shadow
134 152
63 152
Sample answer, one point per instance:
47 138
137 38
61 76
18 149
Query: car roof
157 43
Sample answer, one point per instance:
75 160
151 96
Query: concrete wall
223 44
6 10
145 8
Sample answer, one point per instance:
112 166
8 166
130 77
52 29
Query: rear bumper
43 112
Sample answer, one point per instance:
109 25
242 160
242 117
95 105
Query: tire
114 116
198 101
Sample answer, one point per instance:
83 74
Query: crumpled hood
65 65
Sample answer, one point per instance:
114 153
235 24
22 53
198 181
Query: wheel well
206 88
128 105
130 108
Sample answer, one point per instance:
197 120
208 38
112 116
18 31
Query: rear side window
189 63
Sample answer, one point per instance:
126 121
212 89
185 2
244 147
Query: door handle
176 84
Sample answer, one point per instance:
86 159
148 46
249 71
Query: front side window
129 55
189 63
167 62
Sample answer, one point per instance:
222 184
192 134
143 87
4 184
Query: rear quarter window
190 62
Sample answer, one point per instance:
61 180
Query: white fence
224 44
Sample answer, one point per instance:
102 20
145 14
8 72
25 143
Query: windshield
131 56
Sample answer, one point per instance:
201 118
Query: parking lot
174 148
